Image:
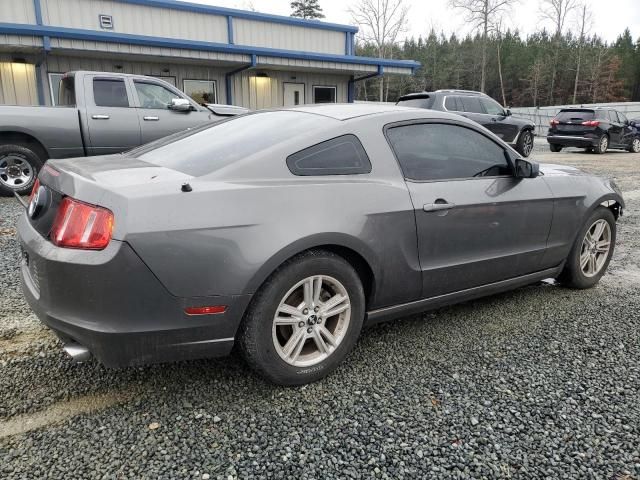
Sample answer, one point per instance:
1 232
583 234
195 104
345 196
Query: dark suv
480 108
595 129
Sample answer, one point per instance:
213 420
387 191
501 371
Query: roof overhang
396 66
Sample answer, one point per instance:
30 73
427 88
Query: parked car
285 231
594 129
97 113
481 108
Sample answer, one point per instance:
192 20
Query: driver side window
492 108
431 151
154 96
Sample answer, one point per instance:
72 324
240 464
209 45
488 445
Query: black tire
635 145
555 147
603 144
588 150
255 335
572 275
524 145
13 153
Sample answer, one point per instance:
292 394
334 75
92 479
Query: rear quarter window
342 155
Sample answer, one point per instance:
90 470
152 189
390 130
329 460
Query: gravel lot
542 382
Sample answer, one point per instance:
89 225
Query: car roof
345 111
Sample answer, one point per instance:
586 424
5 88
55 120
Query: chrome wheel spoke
602 247
597 234
301 334
584 259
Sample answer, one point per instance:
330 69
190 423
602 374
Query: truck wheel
524 146
592 251
19 166
555 147
635 146
603 144
304 320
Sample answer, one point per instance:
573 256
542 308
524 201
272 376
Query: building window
323 94
202 91
54 86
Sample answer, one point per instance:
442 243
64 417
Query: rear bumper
572 141
111 303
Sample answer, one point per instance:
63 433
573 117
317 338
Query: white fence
541 116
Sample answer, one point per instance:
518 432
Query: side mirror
507 112
526 169
180 105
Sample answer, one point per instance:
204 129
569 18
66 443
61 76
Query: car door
156 119
111 120
498 121
476 222
616 131
628 132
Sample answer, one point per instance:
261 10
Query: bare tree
556 11
483 15
585 23
381 22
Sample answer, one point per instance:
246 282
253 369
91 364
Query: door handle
438 206
151 119
100 117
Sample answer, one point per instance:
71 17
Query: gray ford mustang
284 232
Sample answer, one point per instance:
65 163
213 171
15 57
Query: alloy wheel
527 144
604 143
311 321
15 171
635 145
595 248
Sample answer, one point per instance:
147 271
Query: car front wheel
304 320
592 251
635 146
524 146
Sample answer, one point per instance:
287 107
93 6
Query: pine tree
306 9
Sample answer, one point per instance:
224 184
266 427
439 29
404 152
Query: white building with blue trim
217 55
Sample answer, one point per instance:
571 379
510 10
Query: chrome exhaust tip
77 352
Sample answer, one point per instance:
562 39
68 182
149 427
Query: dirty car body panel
244 213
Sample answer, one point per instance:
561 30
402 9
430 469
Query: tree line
607 72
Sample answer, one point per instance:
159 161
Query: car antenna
186 187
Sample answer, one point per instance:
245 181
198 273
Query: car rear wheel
19 167
592 251
304 320
555 147
524 146
635 146
603 144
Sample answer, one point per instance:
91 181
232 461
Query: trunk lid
109 181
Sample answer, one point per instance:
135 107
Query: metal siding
128 49
19 41
135 19
18 84
255 93
17 11
312 64
287 37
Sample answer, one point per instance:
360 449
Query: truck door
112 122
155 117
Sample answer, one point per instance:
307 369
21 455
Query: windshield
416 102
208 148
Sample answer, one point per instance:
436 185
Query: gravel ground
542 382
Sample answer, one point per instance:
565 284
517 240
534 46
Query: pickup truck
97 113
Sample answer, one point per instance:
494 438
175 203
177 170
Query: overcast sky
610 16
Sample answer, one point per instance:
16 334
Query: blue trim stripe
228 76
110 37
46 41
266 17
230 29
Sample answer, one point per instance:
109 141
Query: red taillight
554 122
211 310
36 186
80 225
591 123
